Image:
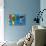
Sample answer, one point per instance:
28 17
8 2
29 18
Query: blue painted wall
27 7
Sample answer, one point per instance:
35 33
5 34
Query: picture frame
16 19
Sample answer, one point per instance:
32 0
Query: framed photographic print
16 19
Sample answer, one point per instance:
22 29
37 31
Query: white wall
1 20
43 6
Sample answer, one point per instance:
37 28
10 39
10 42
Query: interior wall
43 6
27 7
1 21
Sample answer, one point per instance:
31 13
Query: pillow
21 42
10 43
28 39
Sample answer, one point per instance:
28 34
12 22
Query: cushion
20 42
